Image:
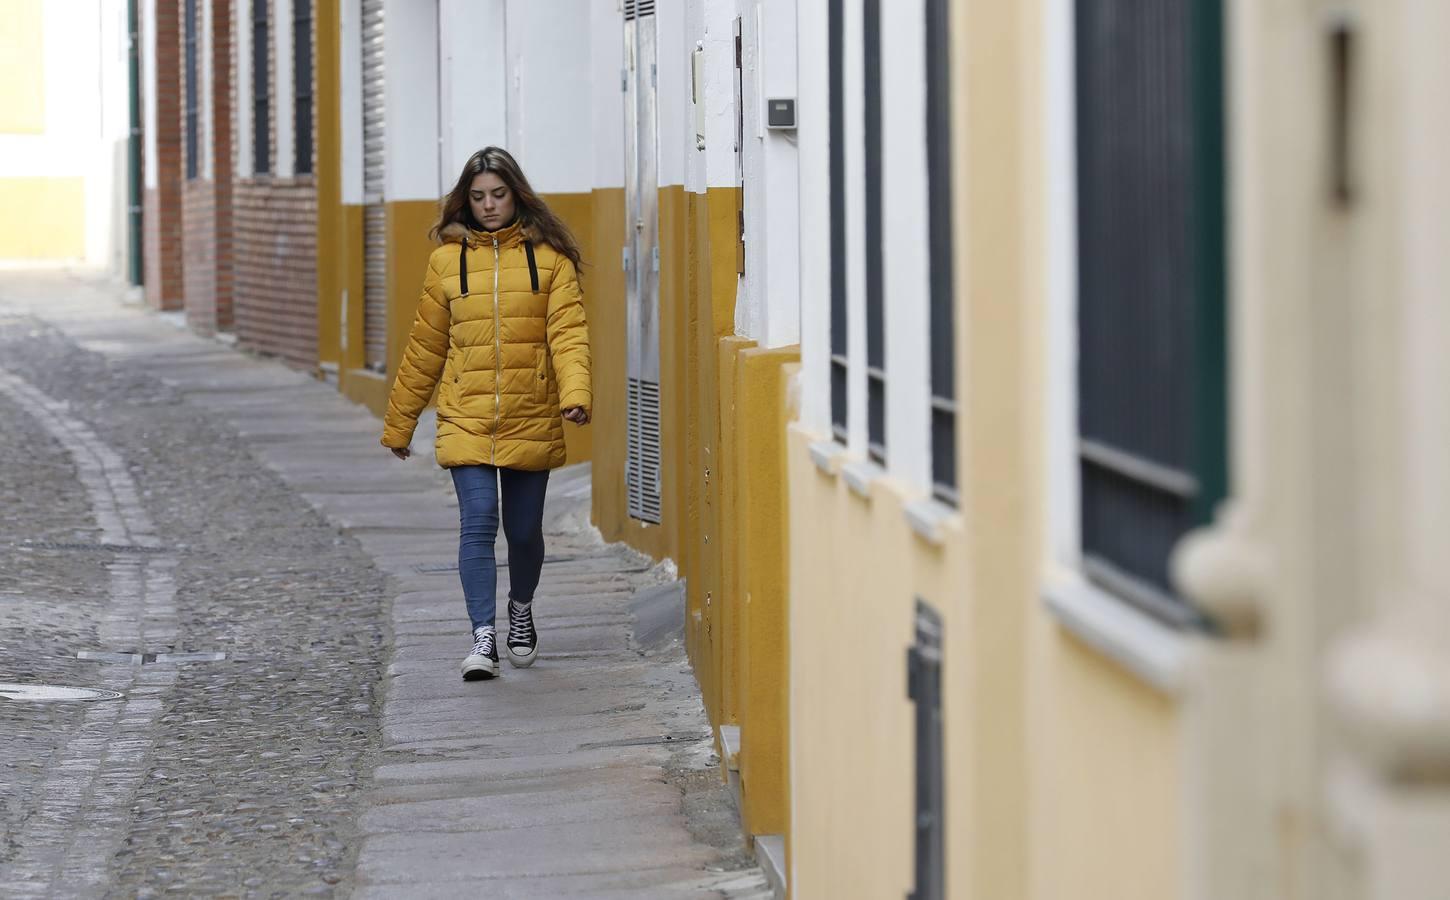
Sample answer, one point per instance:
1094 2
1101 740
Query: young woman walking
501 323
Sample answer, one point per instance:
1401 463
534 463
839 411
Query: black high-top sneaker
523 641
482 660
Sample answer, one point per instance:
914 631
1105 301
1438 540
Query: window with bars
939 238
1152 407
840 366
193 90
302 84
875 275
261 88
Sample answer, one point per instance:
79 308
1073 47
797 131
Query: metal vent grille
638 9
642 470
375 237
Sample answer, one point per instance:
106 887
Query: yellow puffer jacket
511 345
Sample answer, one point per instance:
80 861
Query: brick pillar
206 199
162 203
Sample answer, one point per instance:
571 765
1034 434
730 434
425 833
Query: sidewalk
590 774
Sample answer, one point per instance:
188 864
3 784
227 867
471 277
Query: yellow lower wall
1106 780
763 659
855 570
43 218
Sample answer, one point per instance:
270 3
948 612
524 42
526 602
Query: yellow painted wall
332 252
610 348
761 418
855 571
1107 805
729 602
22 68
42 218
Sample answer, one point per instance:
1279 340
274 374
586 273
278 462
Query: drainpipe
133 164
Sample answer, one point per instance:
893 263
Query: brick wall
275 250
161 214
207 203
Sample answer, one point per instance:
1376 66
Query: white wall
906 257
769 311
410 51
854 87
605 119
814 190
721 165
548 110
86 116
471 95
676 119
1063 531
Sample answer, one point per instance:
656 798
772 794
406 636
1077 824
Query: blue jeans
523 525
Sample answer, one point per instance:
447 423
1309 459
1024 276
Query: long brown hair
539 222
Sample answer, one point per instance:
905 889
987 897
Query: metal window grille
875 275
1152 409
840 386
923 686
261 88
302 84
193 144
638 9
375 233
939 225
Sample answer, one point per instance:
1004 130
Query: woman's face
491 201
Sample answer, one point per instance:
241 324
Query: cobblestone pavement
159 515
240 775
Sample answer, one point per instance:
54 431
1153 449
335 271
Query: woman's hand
577 414
401 452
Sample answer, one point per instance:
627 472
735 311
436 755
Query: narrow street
272 601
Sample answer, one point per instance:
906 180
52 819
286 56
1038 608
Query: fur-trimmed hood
457 233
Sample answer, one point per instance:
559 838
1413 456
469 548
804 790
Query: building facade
1040 401
69 171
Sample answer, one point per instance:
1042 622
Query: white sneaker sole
523 660
476 668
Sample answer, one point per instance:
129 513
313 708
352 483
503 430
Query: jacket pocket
541 375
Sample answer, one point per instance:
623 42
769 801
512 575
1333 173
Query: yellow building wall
856 570
764 654
332 252
22 68
42 218
1107 803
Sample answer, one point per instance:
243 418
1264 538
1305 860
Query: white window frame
242 125
284 164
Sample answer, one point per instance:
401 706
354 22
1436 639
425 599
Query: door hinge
624 80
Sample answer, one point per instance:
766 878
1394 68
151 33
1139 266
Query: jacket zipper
497 363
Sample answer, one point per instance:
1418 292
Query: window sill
1150 650
929 519
828 456
860 474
